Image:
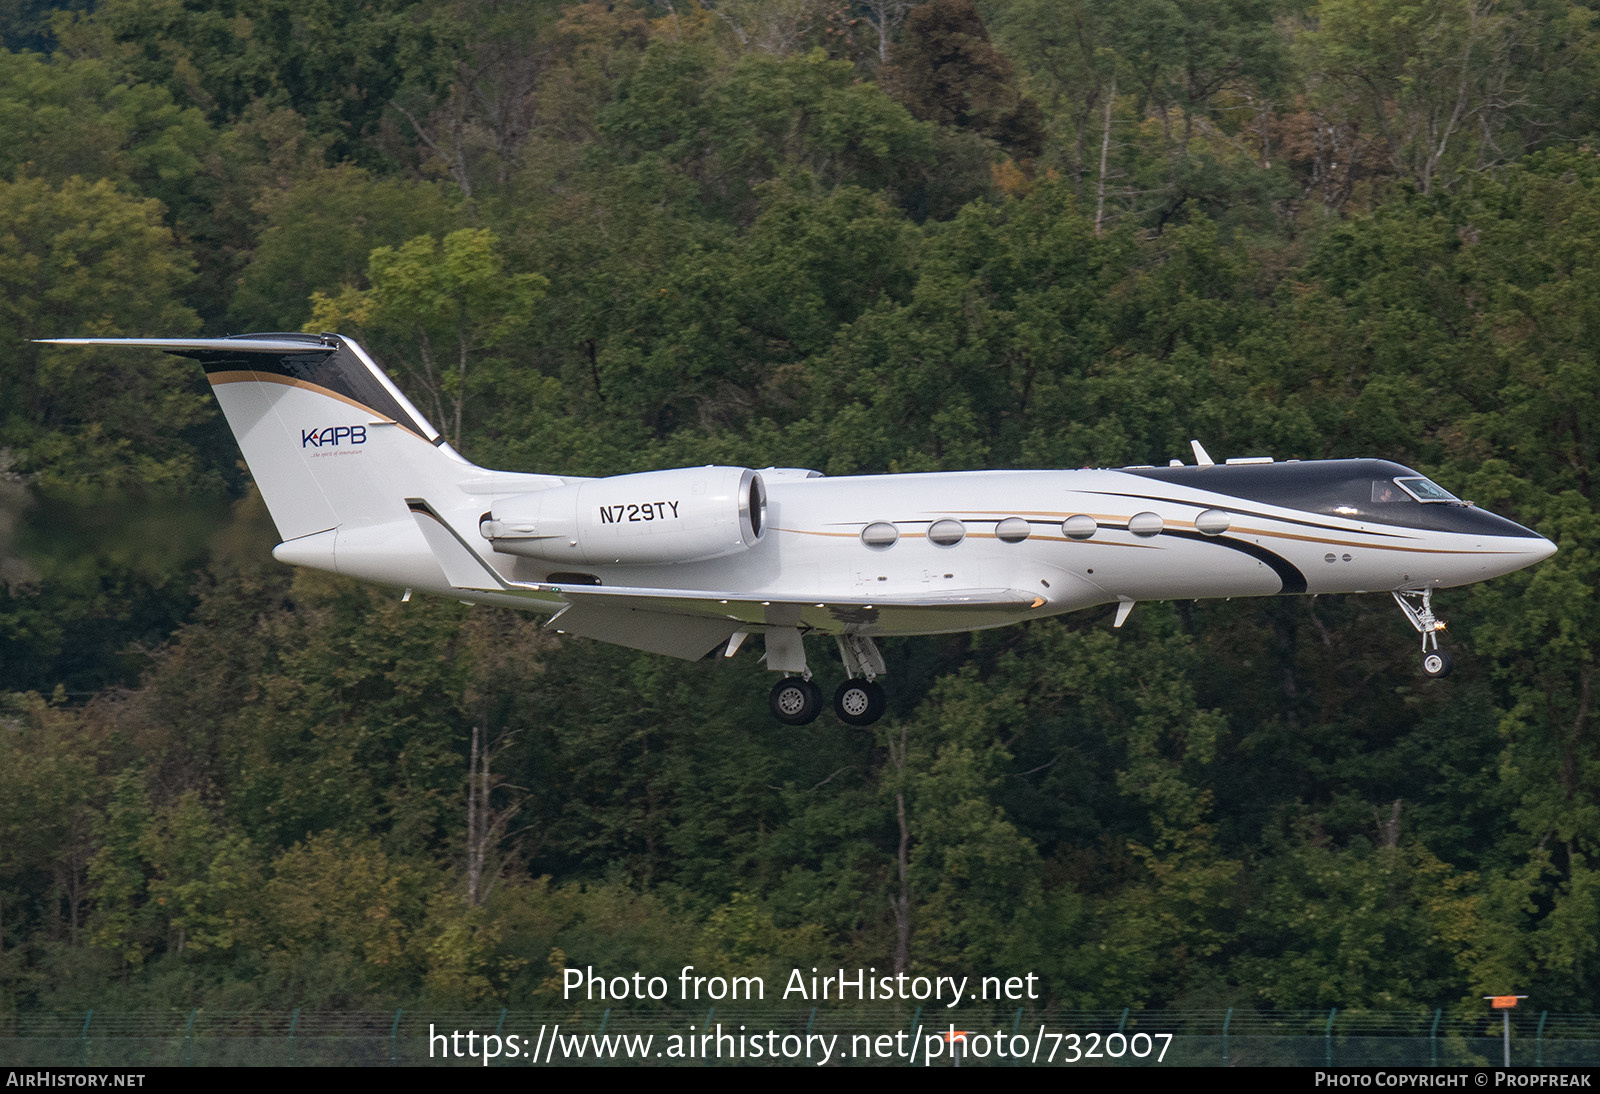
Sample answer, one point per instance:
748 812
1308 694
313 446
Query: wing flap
619 622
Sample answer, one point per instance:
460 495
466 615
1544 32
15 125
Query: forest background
871 236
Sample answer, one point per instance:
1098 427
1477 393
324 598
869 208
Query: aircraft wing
689 622
831 614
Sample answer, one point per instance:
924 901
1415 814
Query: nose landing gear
1418 606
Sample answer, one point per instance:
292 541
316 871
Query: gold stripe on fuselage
1236 532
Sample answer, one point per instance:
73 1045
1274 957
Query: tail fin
330 440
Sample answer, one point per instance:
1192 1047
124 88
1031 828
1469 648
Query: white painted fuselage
813 546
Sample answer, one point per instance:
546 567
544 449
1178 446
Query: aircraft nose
1539 550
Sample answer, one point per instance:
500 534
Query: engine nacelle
686 515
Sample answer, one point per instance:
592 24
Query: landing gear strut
860 700
1418 606
796 700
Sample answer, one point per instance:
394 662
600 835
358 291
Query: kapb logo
333 436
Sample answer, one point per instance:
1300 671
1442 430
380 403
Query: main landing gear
797 700
859 702
1418 606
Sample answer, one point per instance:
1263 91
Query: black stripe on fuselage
1293 580
335 368
1335 488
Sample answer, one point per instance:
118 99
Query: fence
1231 1038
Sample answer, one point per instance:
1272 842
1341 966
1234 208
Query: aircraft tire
795 700
1437 664
859 702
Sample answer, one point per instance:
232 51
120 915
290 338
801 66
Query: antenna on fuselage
1201 457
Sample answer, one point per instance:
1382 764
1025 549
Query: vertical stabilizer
330 440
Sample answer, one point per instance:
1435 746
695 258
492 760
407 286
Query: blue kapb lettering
333 435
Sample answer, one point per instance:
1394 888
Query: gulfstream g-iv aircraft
691 562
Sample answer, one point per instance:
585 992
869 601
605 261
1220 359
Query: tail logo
333 436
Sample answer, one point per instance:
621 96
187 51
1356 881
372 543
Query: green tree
946 70
1442 84
74 117
319 234
84 259
337 63
441 308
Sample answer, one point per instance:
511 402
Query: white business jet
692 561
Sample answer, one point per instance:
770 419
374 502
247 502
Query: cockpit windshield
1366 491
1410 489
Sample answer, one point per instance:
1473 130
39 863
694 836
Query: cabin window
1081 526
880 535
947 533
1145 524
1012 530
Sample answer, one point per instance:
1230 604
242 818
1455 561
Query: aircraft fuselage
1295 527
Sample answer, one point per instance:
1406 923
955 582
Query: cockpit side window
1424 490
1385 490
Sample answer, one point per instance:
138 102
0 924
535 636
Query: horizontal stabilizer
258 343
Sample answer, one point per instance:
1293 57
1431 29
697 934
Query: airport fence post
83 1039
188 1039
498 1026
1227 1020
294 1024
1327 1038
811 1021
1433 1039
1538 1040
394 1040
605 1020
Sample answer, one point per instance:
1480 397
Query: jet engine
686 515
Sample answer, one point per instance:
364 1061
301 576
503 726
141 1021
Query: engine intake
685 515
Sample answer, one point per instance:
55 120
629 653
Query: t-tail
336 450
